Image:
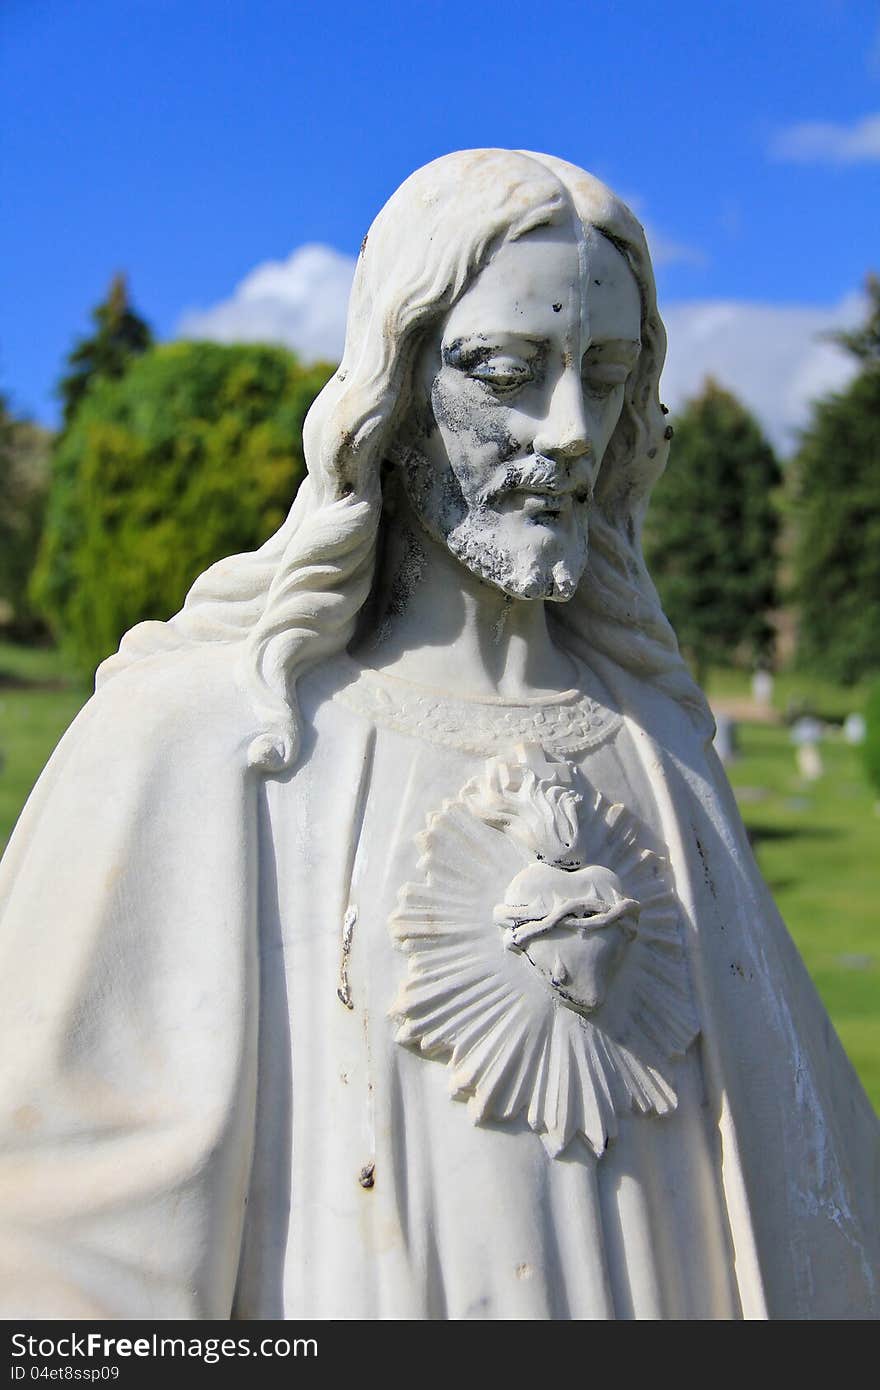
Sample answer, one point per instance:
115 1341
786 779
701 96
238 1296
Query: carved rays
510 1044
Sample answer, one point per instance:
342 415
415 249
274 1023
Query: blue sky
190 141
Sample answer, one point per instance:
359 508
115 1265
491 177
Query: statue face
514 405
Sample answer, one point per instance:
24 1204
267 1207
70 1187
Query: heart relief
572 925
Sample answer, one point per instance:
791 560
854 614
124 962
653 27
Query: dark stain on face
476 419
433 492
557 308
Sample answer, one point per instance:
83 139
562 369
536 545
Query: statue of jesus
382 940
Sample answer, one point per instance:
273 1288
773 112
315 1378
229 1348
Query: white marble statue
382 940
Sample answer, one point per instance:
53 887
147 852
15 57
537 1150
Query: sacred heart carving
573 925
546 964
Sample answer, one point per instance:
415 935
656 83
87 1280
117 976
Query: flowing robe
206 1112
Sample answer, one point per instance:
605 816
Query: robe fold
206 1112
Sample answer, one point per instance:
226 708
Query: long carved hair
295 601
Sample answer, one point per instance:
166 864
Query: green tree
24 474
712 531
837 507
120 335
195 453
864 342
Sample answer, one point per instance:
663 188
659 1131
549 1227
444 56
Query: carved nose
564 435
564 445
568 449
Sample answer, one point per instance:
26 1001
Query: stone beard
382 940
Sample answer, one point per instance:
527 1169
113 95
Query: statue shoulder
189 698
172 730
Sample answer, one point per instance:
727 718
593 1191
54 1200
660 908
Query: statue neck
436 624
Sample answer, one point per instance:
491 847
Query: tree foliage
195 453
712 530
864 342
24 472
837 560
120 334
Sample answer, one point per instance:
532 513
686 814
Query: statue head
502 360
515 397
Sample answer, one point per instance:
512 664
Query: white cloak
207 1113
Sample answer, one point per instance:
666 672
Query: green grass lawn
37 702
818 846
792 690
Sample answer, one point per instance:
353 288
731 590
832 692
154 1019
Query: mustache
541 476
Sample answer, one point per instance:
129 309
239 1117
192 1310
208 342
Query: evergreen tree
120 334
712 530
24 471
193 454
864 342
837 560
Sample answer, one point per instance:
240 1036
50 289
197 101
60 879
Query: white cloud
828 142
770 355
300 302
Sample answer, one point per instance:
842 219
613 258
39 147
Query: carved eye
503 375
605 383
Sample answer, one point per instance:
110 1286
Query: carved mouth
541 484
546 506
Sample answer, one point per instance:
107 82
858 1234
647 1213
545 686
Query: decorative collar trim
570 722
